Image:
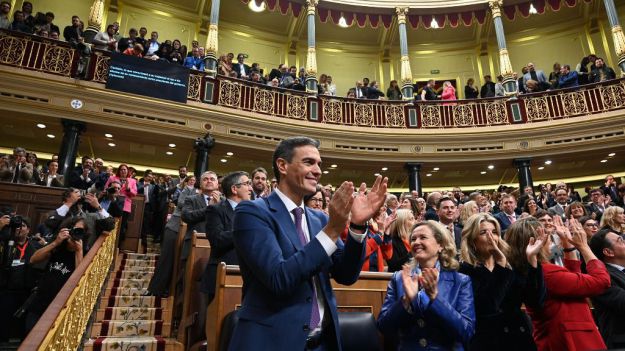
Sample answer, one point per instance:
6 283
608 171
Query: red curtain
361 19
349 18
323 14
387 20
480 16
414 20
454 20
467 18
374 20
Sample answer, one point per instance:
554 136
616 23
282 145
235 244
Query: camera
15 222
77 233
111 190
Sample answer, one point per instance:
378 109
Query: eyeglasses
590 224
248 183
316 199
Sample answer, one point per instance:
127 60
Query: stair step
125 291
134 256
131 328
133 313
144 343
127 264
128 283
134 274
134 301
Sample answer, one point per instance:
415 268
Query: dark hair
5 2
518 236
443 199
259 169
286 149
147 172
49 14
76 17
119 170
596 190
109 27
598 242
183 166
133 30
542 213
584 219
67 192
526 207
229 180
310 196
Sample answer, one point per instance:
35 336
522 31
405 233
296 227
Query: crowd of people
512 246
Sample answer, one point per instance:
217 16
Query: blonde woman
499 290
399 230
614 219
469 209
428 303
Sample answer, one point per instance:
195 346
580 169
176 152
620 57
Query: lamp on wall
343 22
255 7
434 24
533 10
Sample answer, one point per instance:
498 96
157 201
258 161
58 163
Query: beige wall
62 12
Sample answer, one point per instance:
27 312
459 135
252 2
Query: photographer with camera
18 277
111 201
63 255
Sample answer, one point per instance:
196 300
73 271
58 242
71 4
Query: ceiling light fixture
41 125
541 168
434 24
112 144
255 7
533 10
229 153
612 154
436 168
491 167
483 172
385 168
325 172
548 162
428 175
223 160
169 153
377 175
604 161
343 22
108 135
333 166
51 136
172 145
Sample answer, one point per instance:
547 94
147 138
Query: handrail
63 324
18 49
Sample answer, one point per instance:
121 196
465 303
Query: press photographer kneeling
63 255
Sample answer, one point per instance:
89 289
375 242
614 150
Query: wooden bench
175 273
192 300
366 295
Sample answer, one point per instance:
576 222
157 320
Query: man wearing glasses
237 187
609 247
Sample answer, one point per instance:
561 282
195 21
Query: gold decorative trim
395 116
229 94
619 41
57 60
613 96
195 85
102 64
495 7
574 103
212 40
332 111
430 116
463 115
311 6
505 64
406 71
401 14
363 115
311 61
296 107
497 113
96 14
264 101
12 49
537 109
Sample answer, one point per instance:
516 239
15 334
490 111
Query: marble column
94 24
311 57
414 177
525 174
505 65
212 41
406 73
617 33
202 147
69 147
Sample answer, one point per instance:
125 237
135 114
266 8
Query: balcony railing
50 56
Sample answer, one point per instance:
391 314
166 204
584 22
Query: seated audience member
194 61
151 46
498 288
597 205
565 322
530 207
428 303
225 68
488 89
243 70
83 177
398 226
128 191
535 75
73 34
575 210
19 24
554 76
351 93
567 78
63 255
136 50
298 85
288 77
236 187
5 10
54 35
428 92
374 93
49 26
470 90
17 278
129 42
331 86
449 92
614 219
274 83
591 226
16 169
163 53
43 33
601 72
51 178
609 247
316 201
393 92
105 40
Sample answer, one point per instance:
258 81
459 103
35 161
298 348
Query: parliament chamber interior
145 145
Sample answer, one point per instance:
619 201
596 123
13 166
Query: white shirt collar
232 203
290 205
620 268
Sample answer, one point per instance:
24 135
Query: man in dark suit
194 209
242 69
562 199
610 306
83 177
597 204
287 254
507 216
447 216
237 187
610 188
146 188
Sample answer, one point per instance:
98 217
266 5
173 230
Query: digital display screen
158 79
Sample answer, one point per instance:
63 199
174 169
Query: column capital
401 14
205 143
522 162
311 5
495 7
74 126
96 14
413 166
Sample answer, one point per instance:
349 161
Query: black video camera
77 233
15 222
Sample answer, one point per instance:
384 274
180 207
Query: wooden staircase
127 319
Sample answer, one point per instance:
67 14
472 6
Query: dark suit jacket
194 214
237 68
277 275
219 232
592 208
610 310
57 182
504 221
76 181
608 192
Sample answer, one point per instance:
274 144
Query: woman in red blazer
565 322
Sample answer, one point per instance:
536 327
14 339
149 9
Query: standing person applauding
428 303
128 191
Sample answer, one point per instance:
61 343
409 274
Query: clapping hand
338 210
429 280
578 235
535 245
562 230
411 282
366 205
499 256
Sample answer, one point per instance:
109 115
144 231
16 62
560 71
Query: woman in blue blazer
429 305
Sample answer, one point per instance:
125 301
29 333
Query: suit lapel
283 219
